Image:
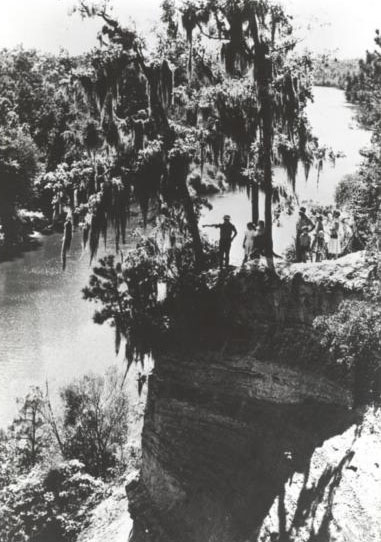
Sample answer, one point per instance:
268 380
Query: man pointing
227 233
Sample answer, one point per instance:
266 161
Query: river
46 328
332 120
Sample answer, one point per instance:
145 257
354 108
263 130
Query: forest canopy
223 88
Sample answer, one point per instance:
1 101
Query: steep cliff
257 439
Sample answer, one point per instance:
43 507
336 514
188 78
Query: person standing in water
228 232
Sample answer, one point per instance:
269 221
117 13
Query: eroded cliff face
258 440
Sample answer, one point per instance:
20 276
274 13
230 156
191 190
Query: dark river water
46 328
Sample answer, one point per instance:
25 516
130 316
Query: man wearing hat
303 222
227 233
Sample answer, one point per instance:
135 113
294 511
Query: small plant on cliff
140 296
353 336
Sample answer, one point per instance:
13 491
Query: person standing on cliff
259 240
302 223
248 242
335 237
227 233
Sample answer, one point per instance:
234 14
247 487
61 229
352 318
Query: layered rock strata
256 439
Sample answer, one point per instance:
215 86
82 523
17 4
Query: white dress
249 242
334 243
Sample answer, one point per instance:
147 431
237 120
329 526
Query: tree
257 36
244 119
162 165
95 421
29 429
364 88
18 167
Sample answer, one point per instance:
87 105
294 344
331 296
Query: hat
302 210
226 217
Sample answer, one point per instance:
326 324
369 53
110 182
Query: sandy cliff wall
257 440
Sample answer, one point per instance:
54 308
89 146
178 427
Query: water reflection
46 329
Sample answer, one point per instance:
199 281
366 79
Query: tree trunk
9 222
267 172
268 185
264 78
192 224
254 202
33 451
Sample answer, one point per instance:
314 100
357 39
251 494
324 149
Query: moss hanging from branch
191 17
66 241
148 173
160 84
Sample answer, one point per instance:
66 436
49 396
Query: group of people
253 243
328 237
325 236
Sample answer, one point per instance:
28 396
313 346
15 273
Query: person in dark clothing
303 222
227 233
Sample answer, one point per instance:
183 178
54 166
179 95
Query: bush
95 421
48 506
353 336
347 191
290 253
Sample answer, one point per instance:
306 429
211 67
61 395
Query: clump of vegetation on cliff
353 336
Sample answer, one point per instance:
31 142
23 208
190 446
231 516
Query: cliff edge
258 440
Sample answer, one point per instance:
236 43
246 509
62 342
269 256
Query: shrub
353 336
48 506
95 421
347 191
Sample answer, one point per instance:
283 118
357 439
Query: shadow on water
9 254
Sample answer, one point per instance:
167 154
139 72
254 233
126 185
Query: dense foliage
136 294
55 466
330 71
353 336
94 425
35 111
46 505
125 123
361 192
18 166
364 87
